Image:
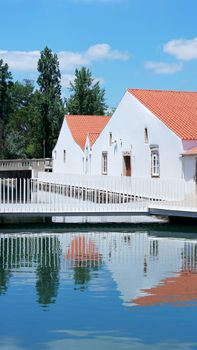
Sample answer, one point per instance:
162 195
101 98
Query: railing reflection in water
133 259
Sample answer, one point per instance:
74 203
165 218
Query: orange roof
190 152
176 109
174 290
83 125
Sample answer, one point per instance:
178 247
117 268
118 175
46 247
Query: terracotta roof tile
176 109
82 126
93 137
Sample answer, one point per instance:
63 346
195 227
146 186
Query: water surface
98 290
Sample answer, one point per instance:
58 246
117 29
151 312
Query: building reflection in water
146 270
84 258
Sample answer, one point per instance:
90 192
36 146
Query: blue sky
125 43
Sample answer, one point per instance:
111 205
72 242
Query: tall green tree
5 103
87 97
51 106
22 138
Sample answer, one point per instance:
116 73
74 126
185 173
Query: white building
72 153
152 133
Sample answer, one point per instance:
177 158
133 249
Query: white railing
91 195
32 195
151 189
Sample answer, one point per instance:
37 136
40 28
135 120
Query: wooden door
127 166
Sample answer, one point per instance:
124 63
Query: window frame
110 138
64 156
104 162
146 136
155 163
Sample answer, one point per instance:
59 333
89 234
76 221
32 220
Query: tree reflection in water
48 270
85 259
5 273
25 253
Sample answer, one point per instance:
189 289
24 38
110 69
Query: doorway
127 165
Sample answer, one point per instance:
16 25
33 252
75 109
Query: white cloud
163 67
66 80
27 60
20 60
105 52
99 80
182 49
69 78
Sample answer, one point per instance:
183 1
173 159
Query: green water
120 287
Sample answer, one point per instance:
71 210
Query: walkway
33 197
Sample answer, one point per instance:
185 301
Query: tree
87 97
5 84
22 138
51 106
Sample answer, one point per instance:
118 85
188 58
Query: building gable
82 126
176 109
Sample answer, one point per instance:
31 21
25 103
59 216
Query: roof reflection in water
147 270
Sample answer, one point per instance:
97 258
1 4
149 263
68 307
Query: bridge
85 196
18 168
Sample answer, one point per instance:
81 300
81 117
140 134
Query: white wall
87 157
74 154
189 167
127 124
189 162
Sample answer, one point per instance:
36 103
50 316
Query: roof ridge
160 90
87 115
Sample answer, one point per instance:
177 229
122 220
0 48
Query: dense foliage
87 98
5 102
30 118
51 106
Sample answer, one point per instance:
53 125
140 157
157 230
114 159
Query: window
145 135
155 166
104 163
86 165
110 138
64 157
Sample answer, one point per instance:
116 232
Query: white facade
135 132
68 157
134 143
